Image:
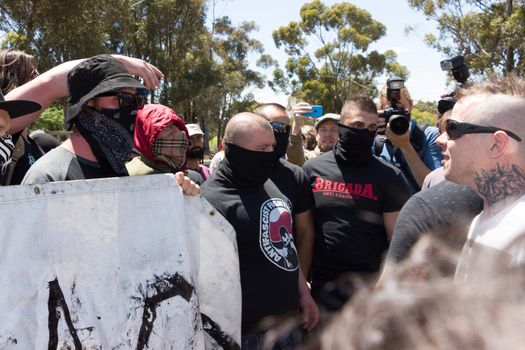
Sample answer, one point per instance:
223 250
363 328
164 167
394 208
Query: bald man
483 148
242 191
292 182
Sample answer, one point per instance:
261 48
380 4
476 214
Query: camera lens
399 124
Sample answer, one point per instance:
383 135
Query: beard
195 153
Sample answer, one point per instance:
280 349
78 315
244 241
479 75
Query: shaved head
498 101
501 111
273 112
246 129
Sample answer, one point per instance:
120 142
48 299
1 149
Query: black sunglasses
127 100
279 127
456 129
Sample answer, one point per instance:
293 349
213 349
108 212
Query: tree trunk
509 65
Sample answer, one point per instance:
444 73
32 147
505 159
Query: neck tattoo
496 185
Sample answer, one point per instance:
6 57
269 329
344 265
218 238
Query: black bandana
124 116
110 142
244 168
354 145
6 151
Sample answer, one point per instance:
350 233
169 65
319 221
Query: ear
499 144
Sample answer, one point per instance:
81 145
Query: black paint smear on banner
166 287
215 331
56 301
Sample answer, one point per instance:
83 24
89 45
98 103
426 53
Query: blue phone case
317 111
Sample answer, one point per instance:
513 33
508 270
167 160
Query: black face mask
124 116
110 142
282 133
244 168
354 145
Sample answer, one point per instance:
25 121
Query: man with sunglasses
483 148
101 111
104 98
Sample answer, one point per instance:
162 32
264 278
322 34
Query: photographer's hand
416 165
400 141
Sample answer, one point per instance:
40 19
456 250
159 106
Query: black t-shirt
268 257
293 183
349 203
445 210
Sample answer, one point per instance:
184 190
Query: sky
426 80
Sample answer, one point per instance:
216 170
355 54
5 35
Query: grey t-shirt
445 210
62 165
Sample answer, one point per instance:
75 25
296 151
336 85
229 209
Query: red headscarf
151 120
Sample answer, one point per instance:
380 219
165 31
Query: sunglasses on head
280 127
456 129
127 100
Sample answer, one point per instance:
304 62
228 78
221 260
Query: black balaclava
354 145
244 168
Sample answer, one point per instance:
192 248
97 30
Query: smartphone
317 111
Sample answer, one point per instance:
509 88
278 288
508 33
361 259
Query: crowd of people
312 201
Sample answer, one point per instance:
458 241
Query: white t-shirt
217 158
490 240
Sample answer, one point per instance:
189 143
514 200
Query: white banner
123 263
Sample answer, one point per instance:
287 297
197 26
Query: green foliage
424 112
206 70
489 33
343 64
52 119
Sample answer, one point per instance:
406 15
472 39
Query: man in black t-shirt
292 182
357 199
242 191
444 211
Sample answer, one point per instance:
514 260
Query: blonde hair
406 99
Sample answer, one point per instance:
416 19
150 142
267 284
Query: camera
398 117
460 73
446 104
458 67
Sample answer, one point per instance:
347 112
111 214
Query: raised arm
52 85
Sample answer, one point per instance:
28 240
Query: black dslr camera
398 117
460 73
458 67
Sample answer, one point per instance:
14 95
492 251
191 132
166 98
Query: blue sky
426 80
